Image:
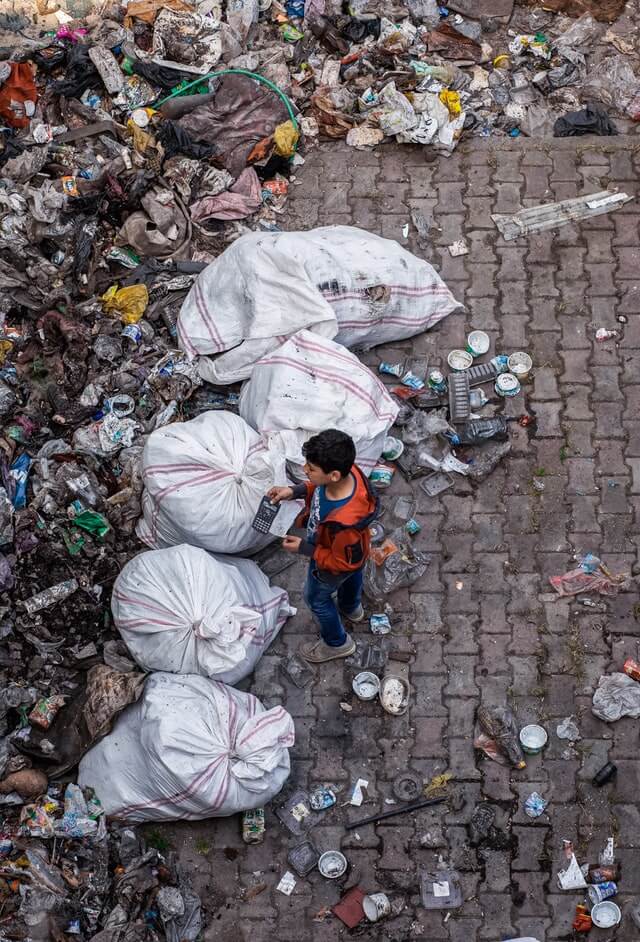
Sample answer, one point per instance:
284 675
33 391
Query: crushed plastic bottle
48 597
478 431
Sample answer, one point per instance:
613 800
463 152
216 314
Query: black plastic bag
80 74
159 74
50 58
356 30
175 140
593 119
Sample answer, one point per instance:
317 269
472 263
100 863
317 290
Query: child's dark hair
331 450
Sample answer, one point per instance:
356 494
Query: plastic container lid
440 889
606 914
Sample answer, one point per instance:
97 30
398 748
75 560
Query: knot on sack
238 478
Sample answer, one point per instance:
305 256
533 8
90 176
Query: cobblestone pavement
477 627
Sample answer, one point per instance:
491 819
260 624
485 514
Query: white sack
616 695
338 281
309 384
190 748
185 611
203 482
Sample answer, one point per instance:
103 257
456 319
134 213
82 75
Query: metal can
437 381
253 826
601 874
602 891
605 774
507 385
632 668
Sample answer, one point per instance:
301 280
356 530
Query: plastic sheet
616 695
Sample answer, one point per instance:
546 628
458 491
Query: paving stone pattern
477 627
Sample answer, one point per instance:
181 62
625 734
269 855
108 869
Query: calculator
267 513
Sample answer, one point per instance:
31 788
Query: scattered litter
458 248
568 729
303 858
572 877
616 695
596 577
534 805
533 739
376 906
441 889
497 735
356 795
287 884
553 215
350 909
332 864
394 694
380 624
322 798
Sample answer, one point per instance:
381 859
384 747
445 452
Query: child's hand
276 494
291 543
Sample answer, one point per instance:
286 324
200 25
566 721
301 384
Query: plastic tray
436 482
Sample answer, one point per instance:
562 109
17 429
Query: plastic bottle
477 431
170 321
607 857
499 723
49 597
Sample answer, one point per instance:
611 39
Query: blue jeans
319 590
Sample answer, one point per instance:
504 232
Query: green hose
254 75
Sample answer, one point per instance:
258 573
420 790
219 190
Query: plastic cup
520 364
478 343
366 685
332 864
533 739
376 906
459 360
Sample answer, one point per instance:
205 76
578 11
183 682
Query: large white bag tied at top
190 748
188 612
339 281
309 384
204 480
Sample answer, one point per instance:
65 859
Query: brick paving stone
478 626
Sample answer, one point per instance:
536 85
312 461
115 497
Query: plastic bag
310 384
395 565
203 482
593 119
338 281
613 83
499 724
190 748
578 39
396 114
130 303
185 611
577 581
616 695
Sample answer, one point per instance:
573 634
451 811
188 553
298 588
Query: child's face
319 477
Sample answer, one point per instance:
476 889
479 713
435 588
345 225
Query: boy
340 507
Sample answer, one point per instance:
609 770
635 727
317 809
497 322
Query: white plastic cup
376 906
